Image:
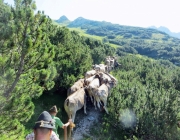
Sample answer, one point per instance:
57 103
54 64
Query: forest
134 40
40 60
145 103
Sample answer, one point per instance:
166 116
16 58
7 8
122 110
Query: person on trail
58 123
43 128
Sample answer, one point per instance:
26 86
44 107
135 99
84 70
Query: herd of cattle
97 83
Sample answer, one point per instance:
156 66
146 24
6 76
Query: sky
141 13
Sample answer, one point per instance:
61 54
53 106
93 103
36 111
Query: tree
145 102
72 57
26 64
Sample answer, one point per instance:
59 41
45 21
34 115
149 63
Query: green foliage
145 41
26 70
36 56
145 102
45 102
72 57
99 50
75 55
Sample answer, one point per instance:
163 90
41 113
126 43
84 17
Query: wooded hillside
134 40
38 57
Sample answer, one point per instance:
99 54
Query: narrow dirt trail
85 122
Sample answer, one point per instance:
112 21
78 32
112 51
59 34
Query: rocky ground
85 122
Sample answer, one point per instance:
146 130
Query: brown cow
75 102
93 85
77 85
89 74
102 93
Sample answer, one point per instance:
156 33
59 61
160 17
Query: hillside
40 60
136 40
63 20
166 30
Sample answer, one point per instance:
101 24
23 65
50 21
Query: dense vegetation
145 103
144 41
35 57
39 57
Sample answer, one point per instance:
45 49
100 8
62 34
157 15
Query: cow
96 67
89 80
94 84
112 78
102 93
107 62
100 68
104 77
75 102
89 73
103 68
112 60
77 85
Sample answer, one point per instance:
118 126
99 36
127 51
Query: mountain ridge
129 39
63 20
80 21
166 30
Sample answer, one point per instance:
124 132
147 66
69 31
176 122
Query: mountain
166 30
80 22
63 20
150 42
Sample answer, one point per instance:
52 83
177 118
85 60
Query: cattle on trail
89 74
112 63
89 80
107 62
100 68
77 85
74 102
112 60
102 93
93 85
112 78
98 84
104 77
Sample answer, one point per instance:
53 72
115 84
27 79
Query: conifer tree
26 64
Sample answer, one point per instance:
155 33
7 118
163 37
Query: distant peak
79 18
164 28
63 19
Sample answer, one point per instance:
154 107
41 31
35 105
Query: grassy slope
156 37
83 33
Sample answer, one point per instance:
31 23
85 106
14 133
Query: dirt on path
85 122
